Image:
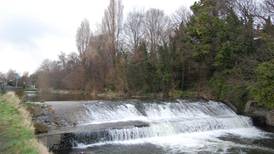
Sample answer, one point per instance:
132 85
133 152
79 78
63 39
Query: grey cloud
22 30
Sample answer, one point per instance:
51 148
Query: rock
259 121
250 107
270 118
260 115
40 128
260 112
43 117
35 110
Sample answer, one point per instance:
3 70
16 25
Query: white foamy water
108 113
195 142
103 112
178 127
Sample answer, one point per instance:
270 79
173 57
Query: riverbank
67 95
17 133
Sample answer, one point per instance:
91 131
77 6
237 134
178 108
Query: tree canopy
218 49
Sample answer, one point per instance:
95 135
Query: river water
162 127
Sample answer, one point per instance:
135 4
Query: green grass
16 132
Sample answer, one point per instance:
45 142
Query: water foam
176 126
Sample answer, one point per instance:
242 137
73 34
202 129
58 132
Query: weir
102 121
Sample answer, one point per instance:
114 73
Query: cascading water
162 119
152 127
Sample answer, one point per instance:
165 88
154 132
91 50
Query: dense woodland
221 49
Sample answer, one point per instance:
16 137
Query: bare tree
63 60
247 10
180 17
112 24
74 80
134 29
46 65
269 6
157 26
24 80
2 77
72 61
12 75
267 10
82 39
43 76
111 34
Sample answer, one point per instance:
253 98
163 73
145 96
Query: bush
182 94
263 89
237 94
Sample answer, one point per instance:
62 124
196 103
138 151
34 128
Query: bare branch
83 39
180 17
134 28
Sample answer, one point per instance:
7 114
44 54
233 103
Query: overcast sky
34 30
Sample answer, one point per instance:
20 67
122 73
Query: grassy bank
16 130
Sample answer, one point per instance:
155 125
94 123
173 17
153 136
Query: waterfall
104 112
162 119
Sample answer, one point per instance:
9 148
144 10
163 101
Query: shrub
263 89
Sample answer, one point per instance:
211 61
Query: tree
268 5
43 76
74 80
71 61
203 30
2 77
214 51
157 26
263 90
165 68
180 17
83 39
12 77
247 10
63 60
181 57
137 72
112 48
232 42
24 80
134 29
112 25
